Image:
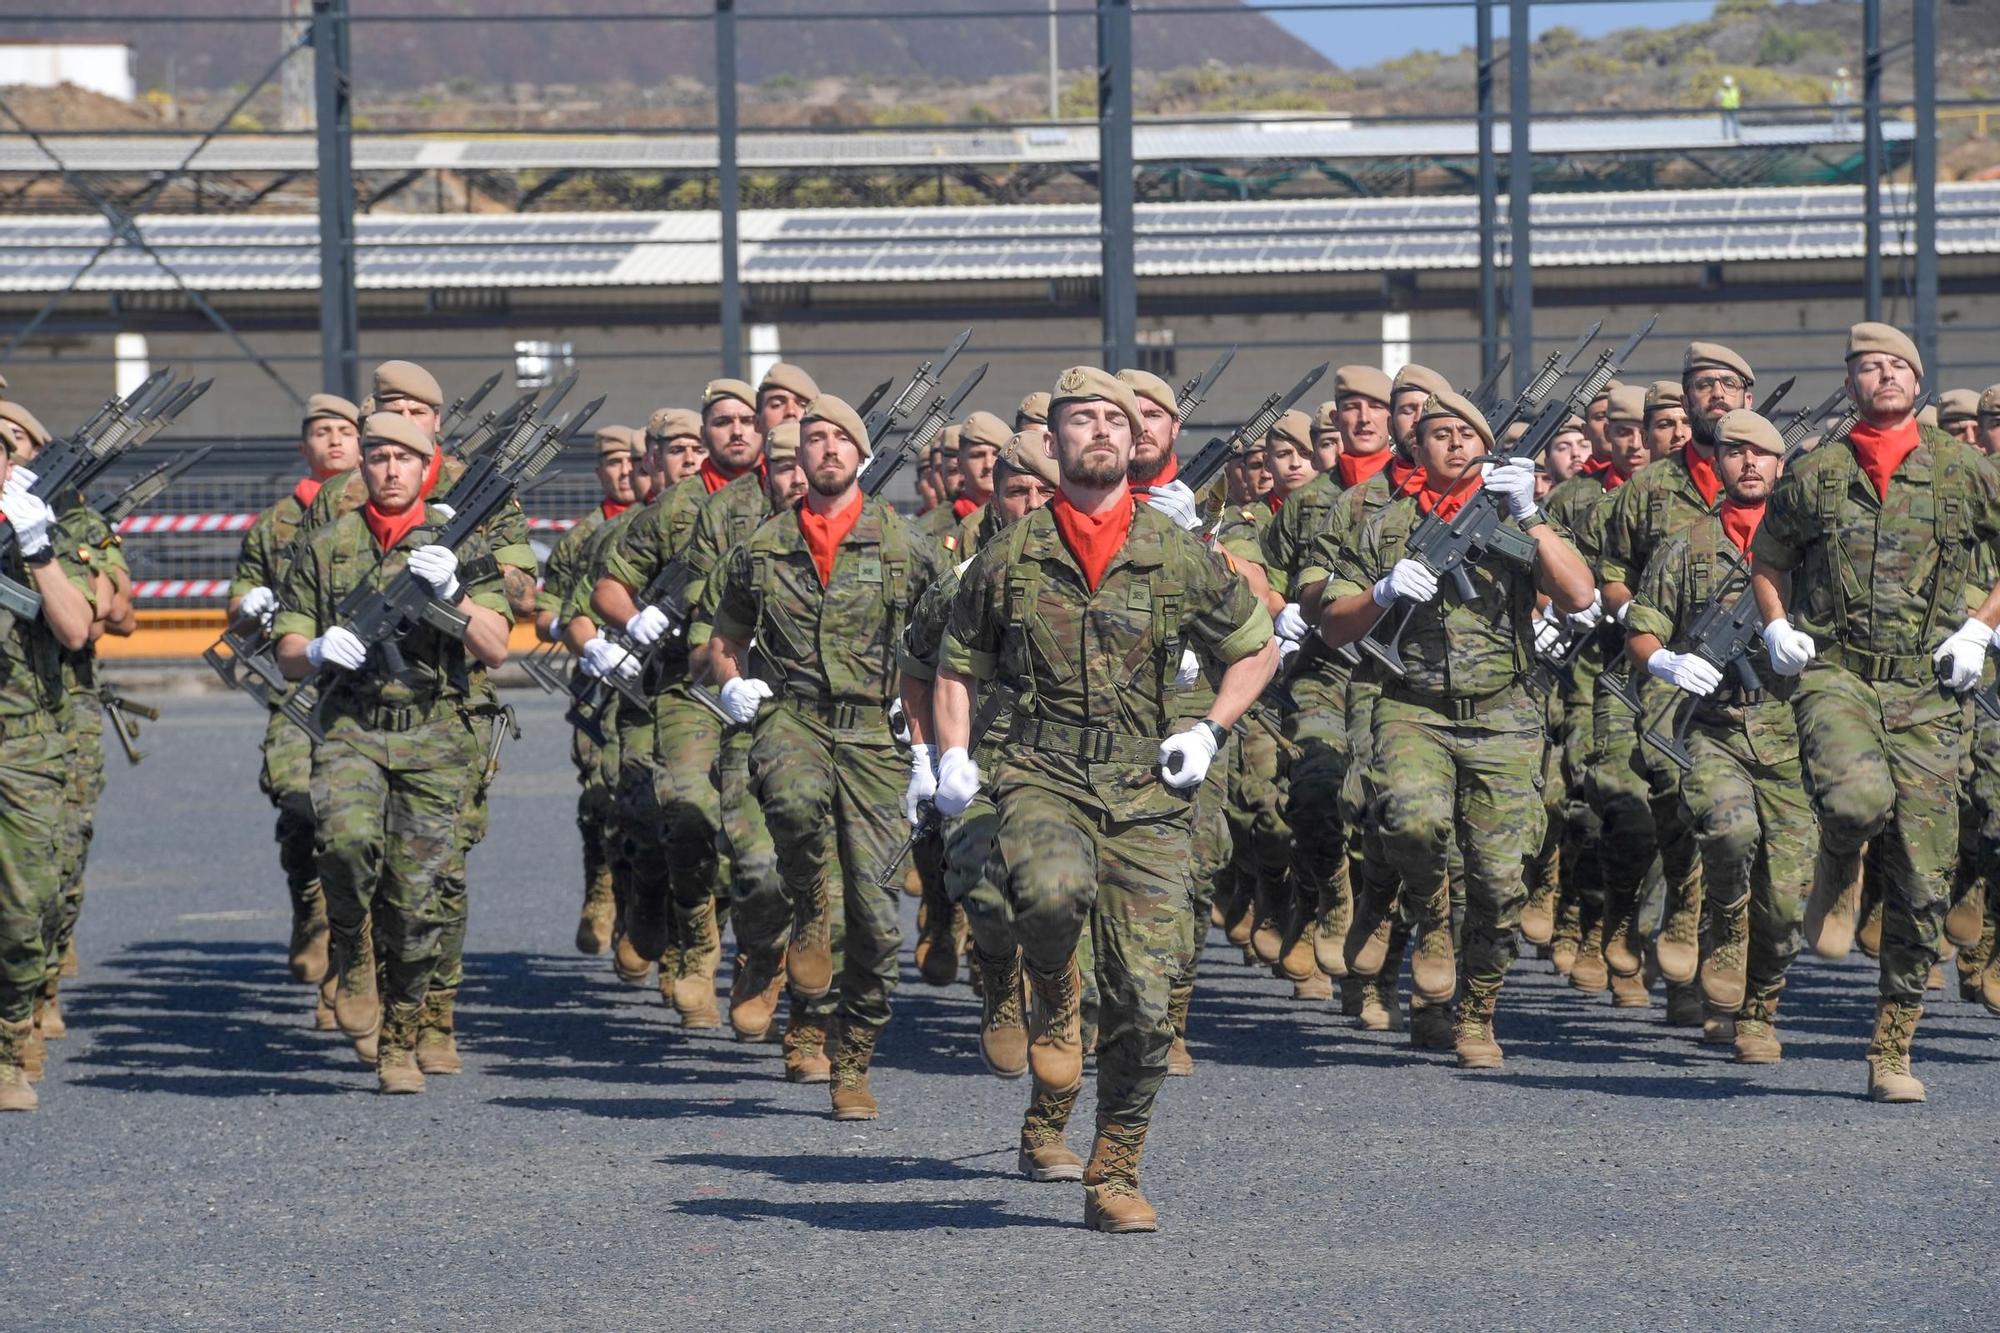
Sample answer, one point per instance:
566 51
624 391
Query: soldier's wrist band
1216 732
37 559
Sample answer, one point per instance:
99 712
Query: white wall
102 67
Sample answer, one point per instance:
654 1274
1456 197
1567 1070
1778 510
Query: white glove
957 781
1176 500
1960 657
444 509
1513 480
1409 579
337 647
1788 648
1684 671
602 658
923 781
648 626
741 696
1190 670
1548 633
1286 647
1624 610
1590 617
29 516
260 603
438 567
1194 749
1291 623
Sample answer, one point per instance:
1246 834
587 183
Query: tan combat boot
1622 948
1003 1029
600 910
1314 989
754 992
1296 962
356 1006
694 979
1238 912
851 1098
1367 946
1889 1076
323 1019
1474 1034
69 960
309 935
396 1057
1628 992
1055 1027
1432 1026
16 1092
1180 1062
806 1059
1381 1010
631 967
809 960
1538 916
1331 923
1725 972
1756 1039
1718 1026
1433 963
1273 912
1989 985
1835 903
1589 973
1044 1156
913 883
34 1051
1677 951
1567 939
1965 923
1868 934
437 1043
1111 1198
936 952
49 1018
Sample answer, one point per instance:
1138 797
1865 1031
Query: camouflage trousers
669 815
34 756
390 808
1881 765
454 890
1317 724
1073 868
758 908
286 780
1446 782
1250 785
596 770
79 825
1746 803
1637 798
1377 884
1978 871
1580 871
832 801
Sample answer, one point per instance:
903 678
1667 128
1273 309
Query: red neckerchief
1593 467
1880 452
1275 500
1093 538
1405 478
1613 478
714 478
613 508
1445 504
1357 468
1739 522
825 534
1701 470
962 507
307 490
1168 475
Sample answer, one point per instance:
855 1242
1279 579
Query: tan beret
26 420
1295 426
719 389
947 445
1610 387
1421 378
983 428
1752 428
1716 357
1572 422
836 412
1034 408
407 379
395 428
1083 384
1989 404
1148 385
1957 405
1450 404
1627 403
1028 451
1865 337
1326 419
1364 380
1664 393
322 406
784 375
1514 432
781 444
673 423
1927 415
616 440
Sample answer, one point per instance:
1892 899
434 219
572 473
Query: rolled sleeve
1644 619
956 656
294 622
1247 638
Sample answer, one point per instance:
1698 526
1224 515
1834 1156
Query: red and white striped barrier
153 590
155 524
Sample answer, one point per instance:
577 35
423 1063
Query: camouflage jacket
972 532
838 644
638 552
565 569
505 534
1288 536
88 540
1240 531
34 680
726 520
1878 583
1656 500
341 557
266 553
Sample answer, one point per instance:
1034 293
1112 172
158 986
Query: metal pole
1923 177
339 308
1055 68
728 192
1120 288
1489 205
1871 158
1520 189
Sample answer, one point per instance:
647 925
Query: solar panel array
279 253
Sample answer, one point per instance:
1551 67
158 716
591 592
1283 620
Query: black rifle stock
1201 468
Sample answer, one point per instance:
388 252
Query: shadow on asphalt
889 1215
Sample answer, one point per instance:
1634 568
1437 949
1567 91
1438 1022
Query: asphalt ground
204 1158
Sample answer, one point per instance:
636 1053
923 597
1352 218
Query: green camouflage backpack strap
1020 592
892 579
1952 487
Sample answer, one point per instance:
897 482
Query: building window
1156 353
538 363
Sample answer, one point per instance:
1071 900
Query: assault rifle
466 406
1487 395
1446 546
1535 397
148 488
1770 404
1199 470
1196 390
122 712
876 472
879 422
69 465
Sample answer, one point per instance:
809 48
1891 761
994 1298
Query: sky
1363 38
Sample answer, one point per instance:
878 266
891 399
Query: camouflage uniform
1878 583
1089 838
566 586
1745 797
823 764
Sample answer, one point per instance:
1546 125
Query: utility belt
393 717
1905 668
1457 707
868 719
1094 745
